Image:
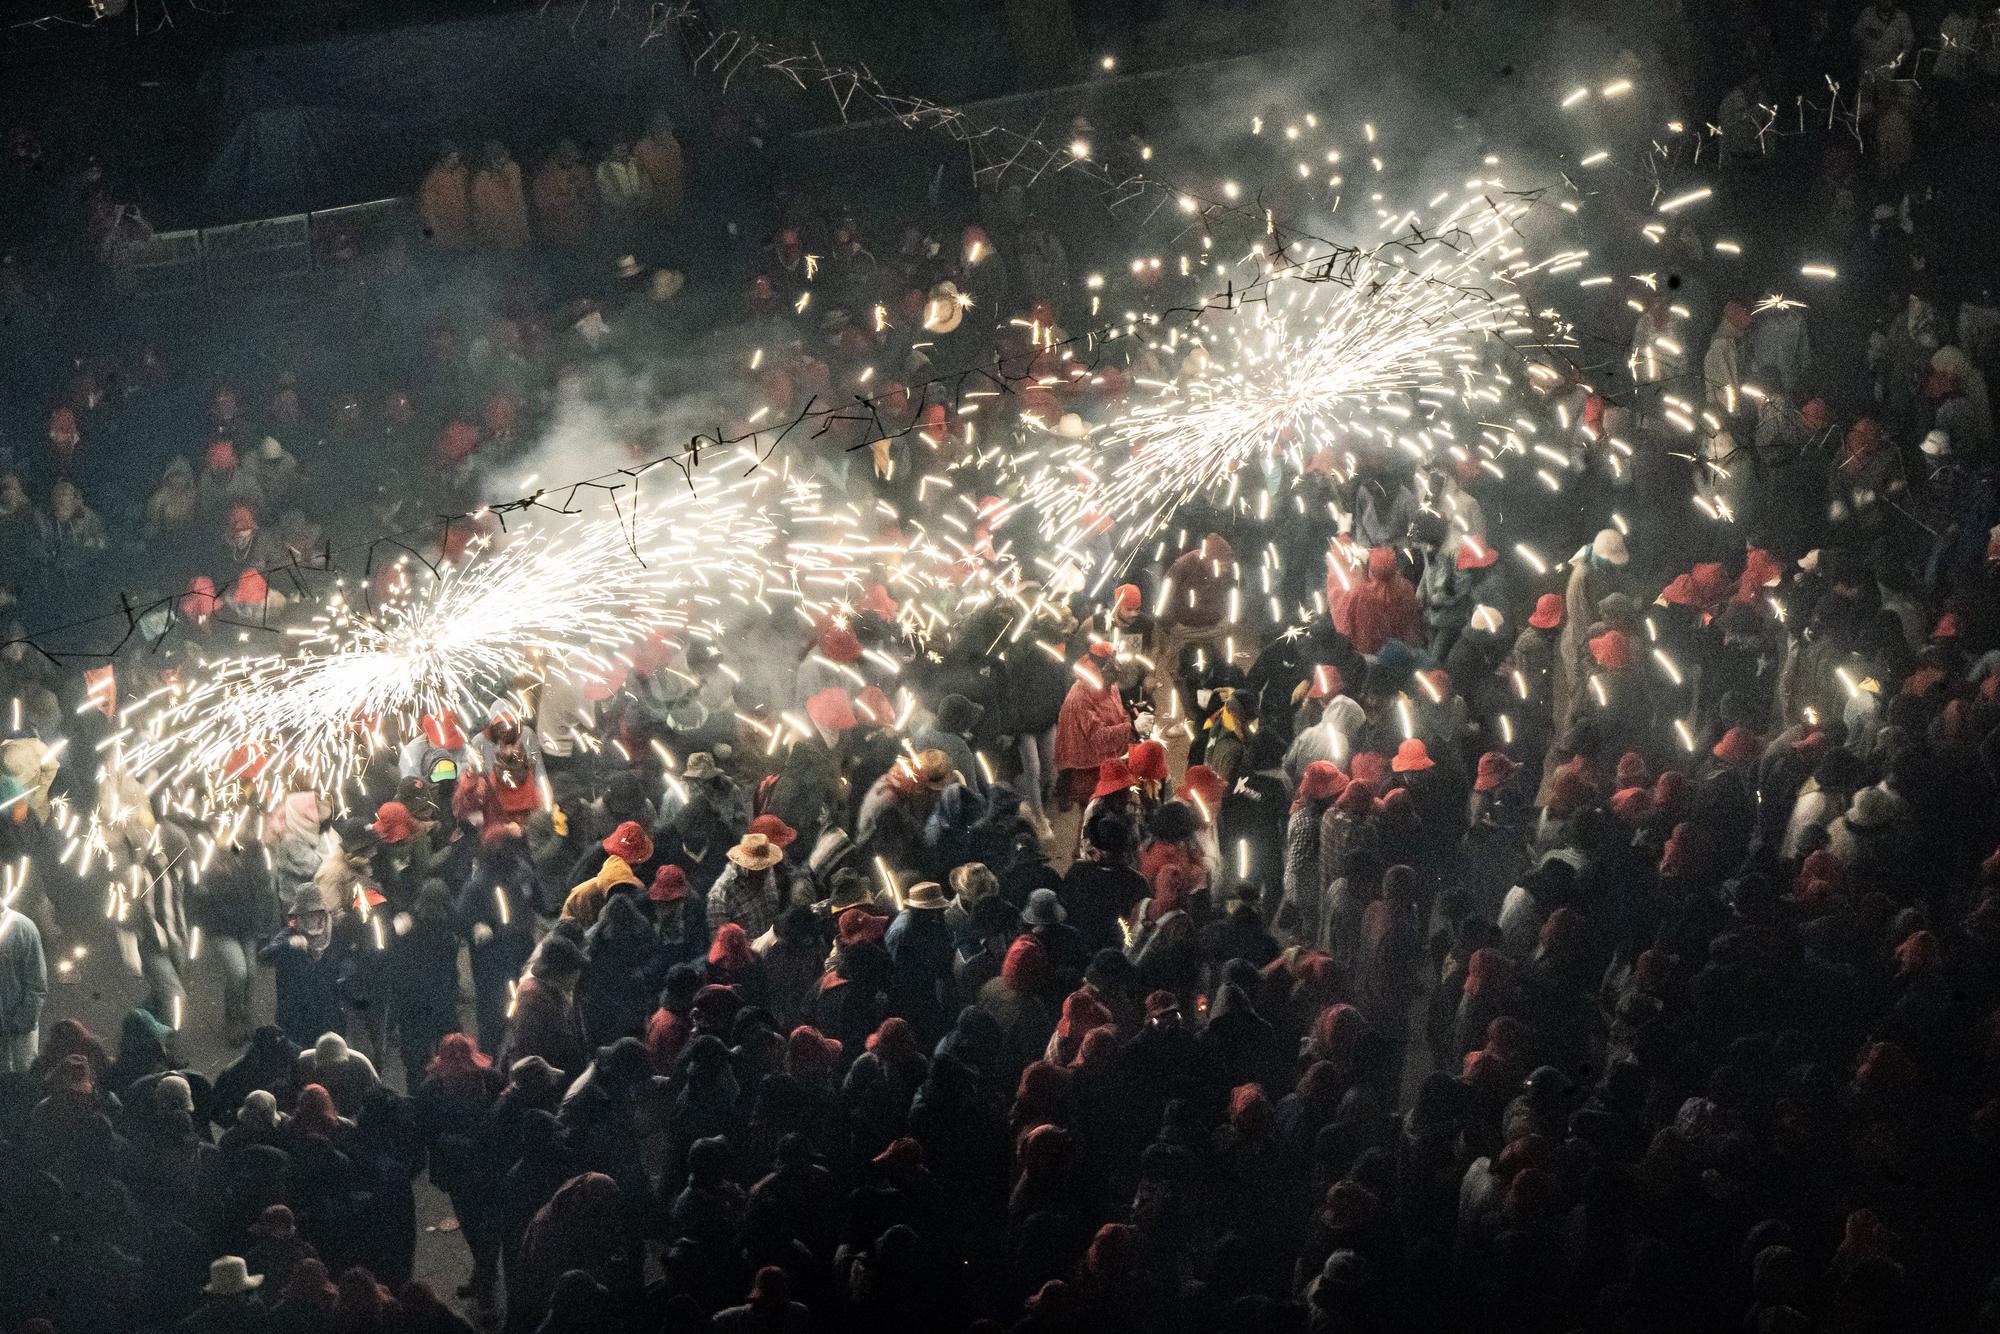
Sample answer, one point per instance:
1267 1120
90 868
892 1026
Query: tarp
290 159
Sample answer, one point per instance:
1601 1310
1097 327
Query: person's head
65 501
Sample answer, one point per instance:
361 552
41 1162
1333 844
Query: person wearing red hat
1092 727
1385 606
834 662
1203 789
1147 761
437 753
831 711
1633 805
1195 598
1463 575
1738 748
251 598
1411 757
1494 770
1299 908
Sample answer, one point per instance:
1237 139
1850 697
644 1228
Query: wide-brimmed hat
700 765
630 843
670 885
756 853
1412 757
231 1277
943 310
774 829
933 769
928 896
849 890
1044 908
1872 808
974 881
1494 769
1548 612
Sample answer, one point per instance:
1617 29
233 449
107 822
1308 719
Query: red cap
1326 682
1948 627
242 519
1322 780
1631 770
1494 769
771 827
1816 415
1370 767
1632 804
670 885
1474 554
393 822
1147 761
1412 757
221 456
875 704
1548 612
1203 782
1126 598
1680 592
1101 649
1113 776
832 710
1612 650
839 644
199 600
443 731
1737 747
251 590
630 843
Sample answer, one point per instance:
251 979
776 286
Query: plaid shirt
751 905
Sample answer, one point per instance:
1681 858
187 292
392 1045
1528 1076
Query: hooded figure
565 198
1597 572
1385 606
444 201
499 207
1092 728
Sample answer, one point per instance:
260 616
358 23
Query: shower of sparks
1404 346
553 602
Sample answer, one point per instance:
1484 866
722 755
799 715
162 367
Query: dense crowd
1444 895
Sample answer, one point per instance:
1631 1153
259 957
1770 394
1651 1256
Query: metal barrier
268 259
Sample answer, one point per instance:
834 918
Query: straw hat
933 769
945 309
756 853
231 1277
927 897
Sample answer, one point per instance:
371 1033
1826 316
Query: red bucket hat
840 644
1412 757
1548 612
1494 769
771 827
1738 747
393 822
1147 761
832 710
630 843
670 885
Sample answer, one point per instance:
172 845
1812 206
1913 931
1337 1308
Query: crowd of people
1443 895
